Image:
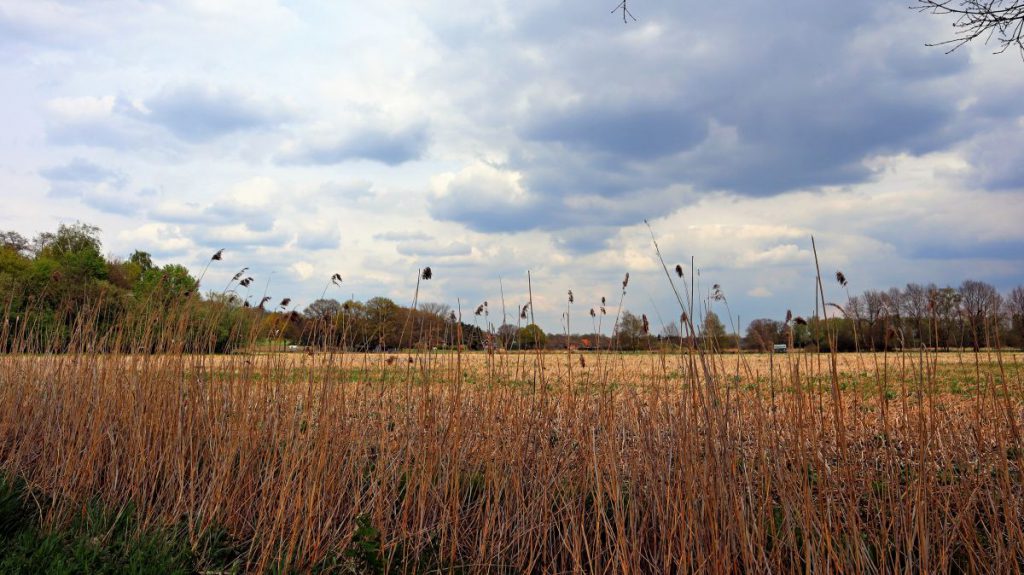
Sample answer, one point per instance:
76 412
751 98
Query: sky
489 138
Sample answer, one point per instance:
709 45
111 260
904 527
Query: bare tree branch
625 12
998 20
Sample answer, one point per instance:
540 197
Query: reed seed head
716 293
427 273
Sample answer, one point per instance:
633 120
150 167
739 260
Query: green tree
164 285
77 250
532 337
384 318
142 259
14 241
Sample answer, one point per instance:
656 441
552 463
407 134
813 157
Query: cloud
322 236
97 121
782 254
1008 249
198 113
432 248
484 198
638 131
250 204
239 236
391 148
349 190
80 170
998 155
584 239
160 240
100 188
401 236
491 138
686 105
304 270
193 113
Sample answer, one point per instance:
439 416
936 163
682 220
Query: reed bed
528 462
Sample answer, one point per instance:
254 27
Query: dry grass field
538 462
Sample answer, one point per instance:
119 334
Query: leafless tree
441 310
915 305
1015 301
1001 21
979 300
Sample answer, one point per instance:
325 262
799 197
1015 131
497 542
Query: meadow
531 462
148 429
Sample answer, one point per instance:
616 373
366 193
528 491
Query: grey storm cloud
776 101
637 132
198 113
999 157
1009 249
388 147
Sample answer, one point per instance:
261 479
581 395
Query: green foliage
165 285
100 541
365 548
532 337
142 259
78 250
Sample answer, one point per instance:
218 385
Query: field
535 462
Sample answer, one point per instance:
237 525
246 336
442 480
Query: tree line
57 284
50 282
973 315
